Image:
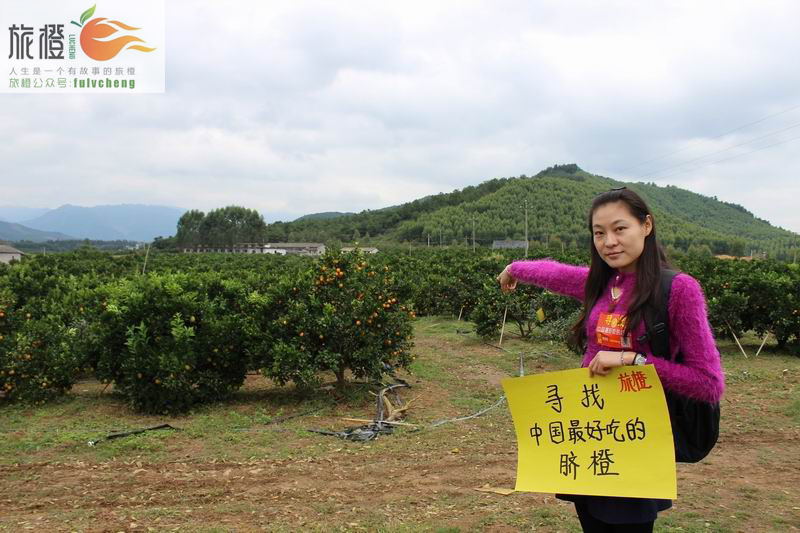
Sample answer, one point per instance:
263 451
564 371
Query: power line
795 125
712 138
732 157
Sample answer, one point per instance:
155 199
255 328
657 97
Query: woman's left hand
604 361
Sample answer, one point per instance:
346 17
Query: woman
624 277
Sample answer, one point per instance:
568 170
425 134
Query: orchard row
172 330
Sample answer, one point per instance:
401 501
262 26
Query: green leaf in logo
88 13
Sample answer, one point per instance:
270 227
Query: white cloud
301 107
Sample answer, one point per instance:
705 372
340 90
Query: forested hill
557 202
322 216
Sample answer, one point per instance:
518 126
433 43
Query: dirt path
410 481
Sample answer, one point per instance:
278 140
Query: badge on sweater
610 327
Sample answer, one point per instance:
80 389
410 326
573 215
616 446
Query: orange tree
521 310
339 315
169 341
41 327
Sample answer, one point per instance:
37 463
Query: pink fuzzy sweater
700 374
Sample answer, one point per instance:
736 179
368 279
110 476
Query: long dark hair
648 269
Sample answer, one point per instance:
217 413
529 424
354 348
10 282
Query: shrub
492 304
523 304
40 355
170 341
558 328
38 361
340 315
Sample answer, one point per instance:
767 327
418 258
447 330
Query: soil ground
243 466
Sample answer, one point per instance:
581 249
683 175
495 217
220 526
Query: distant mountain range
108 222
12 232
557 201
127 222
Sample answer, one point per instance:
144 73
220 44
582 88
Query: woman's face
618 235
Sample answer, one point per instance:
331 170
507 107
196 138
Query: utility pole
429 240
473 236
526 229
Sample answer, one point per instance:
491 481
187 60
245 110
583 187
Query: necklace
616 292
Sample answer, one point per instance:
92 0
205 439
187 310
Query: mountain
558 200
12 232
322 216
110 222
10 213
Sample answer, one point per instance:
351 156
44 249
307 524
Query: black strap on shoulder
656 319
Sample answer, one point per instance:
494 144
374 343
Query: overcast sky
301 107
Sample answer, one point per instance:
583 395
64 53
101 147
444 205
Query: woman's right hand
506 280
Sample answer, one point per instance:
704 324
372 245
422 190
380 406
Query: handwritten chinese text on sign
605 436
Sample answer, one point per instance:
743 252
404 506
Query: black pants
591 524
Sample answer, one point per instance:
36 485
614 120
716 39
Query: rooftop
5 249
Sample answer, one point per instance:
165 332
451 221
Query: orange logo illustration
97 37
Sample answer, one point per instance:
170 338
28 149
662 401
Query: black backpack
695 424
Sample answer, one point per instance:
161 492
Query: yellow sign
604 435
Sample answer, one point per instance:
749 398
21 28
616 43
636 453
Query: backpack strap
695 424
656 319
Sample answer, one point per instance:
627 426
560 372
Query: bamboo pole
737 340
146 255
762 343
503 329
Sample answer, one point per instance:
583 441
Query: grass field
243 465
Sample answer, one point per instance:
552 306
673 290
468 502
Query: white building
8 254
365 249
508 245
298 248
279 248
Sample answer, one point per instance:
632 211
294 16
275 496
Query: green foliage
221 227
343 315
726 311
38 361
558 328
189 225
170 341
186 332
31 247
376 222
40 333
759 295
521 309
489 311
558 199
